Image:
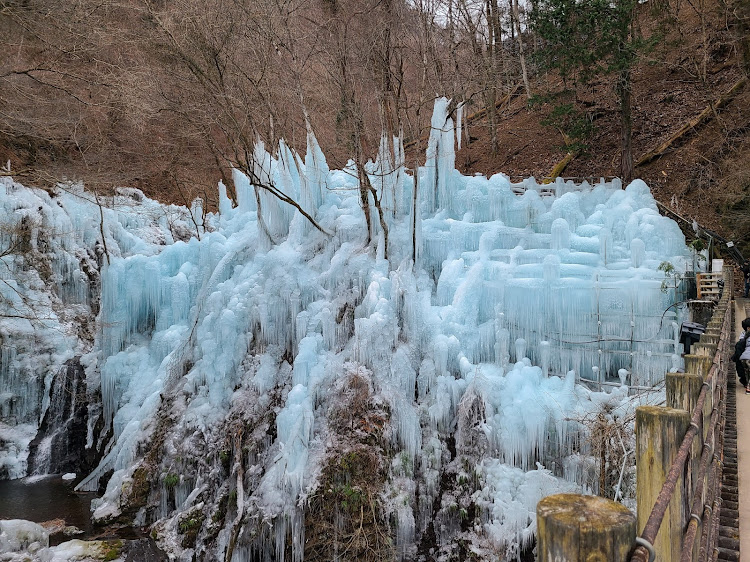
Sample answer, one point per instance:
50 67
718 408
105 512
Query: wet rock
60 444
54 526
72 530
143 550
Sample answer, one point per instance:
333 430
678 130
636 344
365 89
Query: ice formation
52 252
478 350
25 541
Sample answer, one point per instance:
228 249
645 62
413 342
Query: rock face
29 542
60 444
143 550
267 391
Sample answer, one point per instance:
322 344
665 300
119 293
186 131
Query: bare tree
211 84
521 50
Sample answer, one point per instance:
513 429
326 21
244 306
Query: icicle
520 349
459 122
316 174
544 347
675 363
560 235
245 192
551 268
637 252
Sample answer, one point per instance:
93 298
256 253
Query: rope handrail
653 524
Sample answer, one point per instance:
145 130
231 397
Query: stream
43 498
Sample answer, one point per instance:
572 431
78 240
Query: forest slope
113 107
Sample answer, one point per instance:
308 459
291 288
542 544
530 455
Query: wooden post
659 432
707 349
709 339
698 365
683 390
701 365
572 527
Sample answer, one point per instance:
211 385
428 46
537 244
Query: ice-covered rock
220 360
20 536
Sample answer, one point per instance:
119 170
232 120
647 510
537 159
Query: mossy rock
139 488
189 525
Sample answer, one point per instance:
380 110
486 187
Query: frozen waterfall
525 304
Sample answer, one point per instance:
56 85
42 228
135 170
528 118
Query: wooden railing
679 459
708 285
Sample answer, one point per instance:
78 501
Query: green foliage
698 245
351 498
538 100
171 480
189 524
574 124
586 38
225 458
349 461
671 276
113 550
221 508
666 267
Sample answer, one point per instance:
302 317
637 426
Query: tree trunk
522 55
626 126
491 64
363 180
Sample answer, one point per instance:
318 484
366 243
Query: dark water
50 497
43 499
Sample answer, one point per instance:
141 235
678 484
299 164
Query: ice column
502 341
520 349
316 174
544 352
551 267
560 235
245 192
441 158
225 204
605 243
637 252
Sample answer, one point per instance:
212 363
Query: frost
525 306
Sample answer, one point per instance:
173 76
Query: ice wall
520 291
52 253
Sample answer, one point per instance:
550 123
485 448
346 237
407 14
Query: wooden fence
679 459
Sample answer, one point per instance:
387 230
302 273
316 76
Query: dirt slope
701 176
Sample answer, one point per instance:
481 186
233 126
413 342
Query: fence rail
679 469
713 389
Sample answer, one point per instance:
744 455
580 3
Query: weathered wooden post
572 527
683 390
706 349
698 364
709 339
659 433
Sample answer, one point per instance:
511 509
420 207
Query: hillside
696 59
267 391
702 176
